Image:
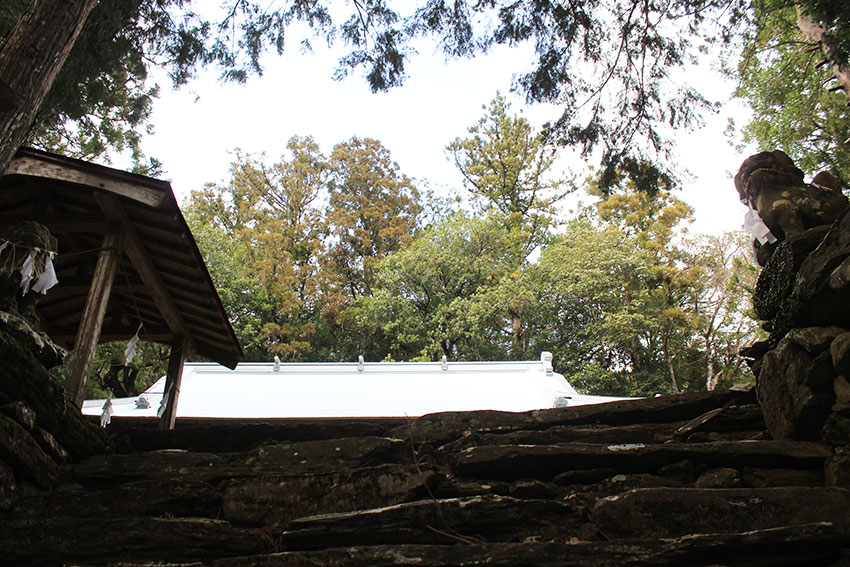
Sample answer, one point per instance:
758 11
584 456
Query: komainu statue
781 203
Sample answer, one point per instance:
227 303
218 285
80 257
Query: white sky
198 127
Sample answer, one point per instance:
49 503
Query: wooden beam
138 255
88 332
158 335
173 380
60 223
33 167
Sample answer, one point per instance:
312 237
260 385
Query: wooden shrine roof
161 279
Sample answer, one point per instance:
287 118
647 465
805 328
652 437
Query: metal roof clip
276 363
360 363
444 364
546 359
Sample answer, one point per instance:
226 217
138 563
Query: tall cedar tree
507 167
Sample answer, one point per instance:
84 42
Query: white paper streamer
106 416
26 271
130 350
756 227
48 277
759 231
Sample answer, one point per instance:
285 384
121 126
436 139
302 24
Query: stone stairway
680 480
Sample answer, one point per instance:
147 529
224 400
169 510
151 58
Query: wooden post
173 378
88 333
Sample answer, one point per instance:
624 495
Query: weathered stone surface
22 453
58 541
836 430
841 387
776 280
814 340
108 470
792 410
294 458
583 476
821 373
675 512
172 497
441 428
20 412
815 544
8 486
322 455
25 379
811 302
725 477
278 499
33 340
449 521
840 352
753 477
50 445
547 461
837 470
223 437
661 409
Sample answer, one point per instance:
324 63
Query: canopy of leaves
507 167
791 88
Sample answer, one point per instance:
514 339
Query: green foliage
112 375
100 101
507 167
630 308
783 76
321 259
260 236
430 297
373 210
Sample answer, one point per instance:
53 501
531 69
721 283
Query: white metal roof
377 389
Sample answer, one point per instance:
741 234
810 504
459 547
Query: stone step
169 497
471 520
279 499
291 459
813 544
647 513
103 541
440 428
721 424
507 462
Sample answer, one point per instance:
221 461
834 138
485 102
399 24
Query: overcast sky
198 127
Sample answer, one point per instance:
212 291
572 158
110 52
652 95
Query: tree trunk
834 54
671 371
30 59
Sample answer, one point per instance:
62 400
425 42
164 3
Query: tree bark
836 56
30 59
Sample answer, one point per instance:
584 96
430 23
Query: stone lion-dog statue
779 200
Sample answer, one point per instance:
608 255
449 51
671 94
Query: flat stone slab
289 458
102 541
173 497
507 462
439 521
816 544
278 499
675 512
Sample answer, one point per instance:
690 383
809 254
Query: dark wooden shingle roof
161 280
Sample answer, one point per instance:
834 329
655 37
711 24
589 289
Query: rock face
39 433
802 369
680 480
